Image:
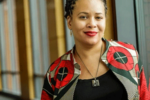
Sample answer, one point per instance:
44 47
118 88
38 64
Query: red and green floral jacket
122 58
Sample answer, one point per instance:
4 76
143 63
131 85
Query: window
8 46
40 43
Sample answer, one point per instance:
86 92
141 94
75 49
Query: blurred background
33 33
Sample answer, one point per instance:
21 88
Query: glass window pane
9 52
7 82
6 38
2 38
14 41
11 83
16 84
39 36
38 86
4 82
40 43
36 41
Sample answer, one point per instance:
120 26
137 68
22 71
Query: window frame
14 68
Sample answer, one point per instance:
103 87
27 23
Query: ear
69 19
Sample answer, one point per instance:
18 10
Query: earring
71 33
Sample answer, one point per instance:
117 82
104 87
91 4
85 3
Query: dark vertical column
125 20
143 31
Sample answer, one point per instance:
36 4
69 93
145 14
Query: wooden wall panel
25 49
56 28
52 30
110 25
60 26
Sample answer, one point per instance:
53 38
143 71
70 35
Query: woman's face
88 21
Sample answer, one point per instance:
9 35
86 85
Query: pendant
95 83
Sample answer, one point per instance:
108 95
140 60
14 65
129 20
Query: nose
91 23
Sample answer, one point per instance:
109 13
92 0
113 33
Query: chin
92 42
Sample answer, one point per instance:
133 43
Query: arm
144 92
49 82
47 91
46 96
143 89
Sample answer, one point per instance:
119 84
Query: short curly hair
1 1
70 6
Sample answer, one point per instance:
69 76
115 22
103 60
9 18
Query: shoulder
124 48
122 53
121 44
60 62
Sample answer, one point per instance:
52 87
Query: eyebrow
83 12
87 13
99 13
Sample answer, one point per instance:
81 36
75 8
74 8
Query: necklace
95 82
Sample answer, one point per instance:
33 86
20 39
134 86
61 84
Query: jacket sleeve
46 96
49 82
47 91
144 91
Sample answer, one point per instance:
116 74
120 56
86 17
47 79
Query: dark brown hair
1 1
70 6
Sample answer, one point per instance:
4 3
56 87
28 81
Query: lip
90 33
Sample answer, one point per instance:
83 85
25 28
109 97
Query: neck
89 51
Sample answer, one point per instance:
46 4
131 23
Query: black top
110 89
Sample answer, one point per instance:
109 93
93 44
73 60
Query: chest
93 71
110 89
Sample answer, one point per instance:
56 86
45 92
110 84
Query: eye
83 17
99 17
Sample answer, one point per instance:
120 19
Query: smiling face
88 21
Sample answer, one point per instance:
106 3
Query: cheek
78 25
102 26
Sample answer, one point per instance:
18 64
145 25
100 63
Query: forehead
89 6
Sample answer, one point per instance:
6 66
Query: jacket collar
125 77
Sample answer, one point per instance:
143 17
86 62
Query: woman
95 69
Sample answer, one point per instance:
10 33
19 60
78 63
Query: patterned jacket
122 58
